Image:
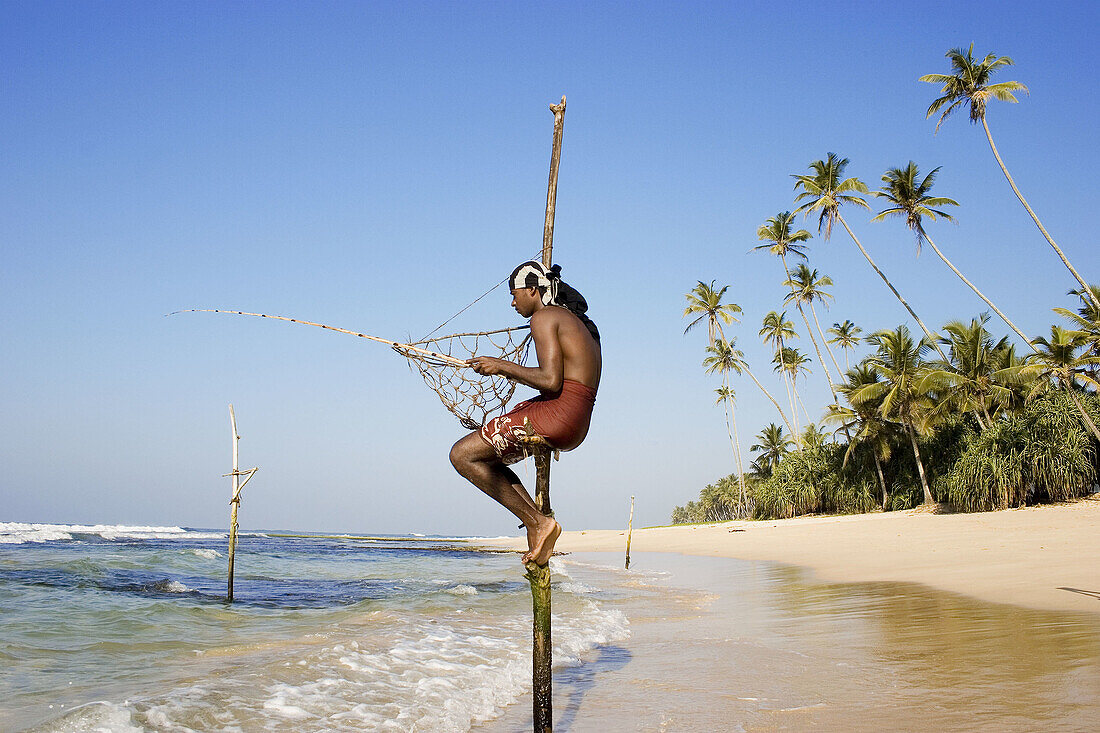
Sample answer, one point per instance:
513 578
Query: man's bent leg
479 464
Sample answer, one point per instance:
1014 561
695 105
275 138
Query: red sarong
561 419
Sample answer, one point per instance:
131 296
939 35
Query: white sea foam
439 674
463 590
209 554
95 717
19 532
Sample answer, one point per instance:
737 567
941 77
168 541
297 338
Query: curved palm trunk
1084 415
740 465
825 341
802 405
1081 408
920 466
783 375
735 442
768 395
798 304
1034 218
817 350
893 290
881 478
977 292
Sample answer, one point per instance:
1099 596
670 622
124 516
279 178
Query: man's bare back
567 376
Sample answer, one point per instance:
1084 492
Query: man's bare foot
546 536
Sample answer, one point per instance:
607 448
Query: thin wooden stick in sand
395 345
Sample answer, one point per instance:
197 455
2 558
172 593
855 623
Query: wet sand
737 645
1040 558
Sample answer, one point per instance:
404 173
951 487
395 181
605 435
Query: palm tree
806 287
909 197
970 84
1087 317
865 422
1059 362
773 446
970 381
794 363
705 302
900 363
846 335
813 436
719 351
776 329
824 190
777 231
723 358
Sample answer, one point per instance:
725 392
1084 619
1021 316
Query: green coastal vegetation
962 416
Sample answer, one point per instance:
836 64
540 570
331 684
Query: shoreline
1045 557
724 644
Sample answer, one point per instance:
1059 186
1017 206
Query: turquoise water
127 628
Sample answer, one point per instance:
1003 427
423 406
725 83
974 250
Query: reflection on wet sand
759 647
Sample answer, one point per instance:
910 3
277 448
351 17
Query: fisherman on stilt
567 345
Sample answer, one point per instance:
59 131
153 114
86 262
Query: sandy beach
896 621
1023 557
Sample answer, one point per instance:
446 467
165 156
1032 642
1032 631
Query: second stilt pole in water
235 501
629 530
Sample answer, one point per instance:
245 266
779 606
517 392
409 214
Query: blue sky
377 166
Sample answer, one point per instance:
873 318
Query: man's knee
459 456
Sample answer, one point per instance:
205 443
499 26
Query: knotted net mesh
471 397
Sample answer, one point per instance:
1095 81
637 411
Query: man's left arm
548 375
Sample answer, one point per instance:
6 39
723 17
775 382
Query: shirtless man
567 376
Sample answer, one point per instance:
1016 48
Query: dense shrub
811 481
1043 453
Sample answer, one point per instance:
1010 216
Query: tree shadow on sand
1093 593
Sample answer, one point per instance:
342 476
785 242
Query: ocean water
126 629
112 628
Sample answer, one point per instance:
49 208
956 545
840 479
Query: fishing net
471 397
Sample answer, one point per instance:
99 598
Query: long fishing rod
397 346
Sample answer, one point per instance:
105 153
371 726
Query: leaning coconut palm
773 446
970 84
901 364
823 191
775 331
1064 360
720 351
723 358
806 287
705 302
909 197
845 335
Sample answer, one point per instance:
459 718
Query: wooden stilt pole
552 186
539 576
629 530
235 501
